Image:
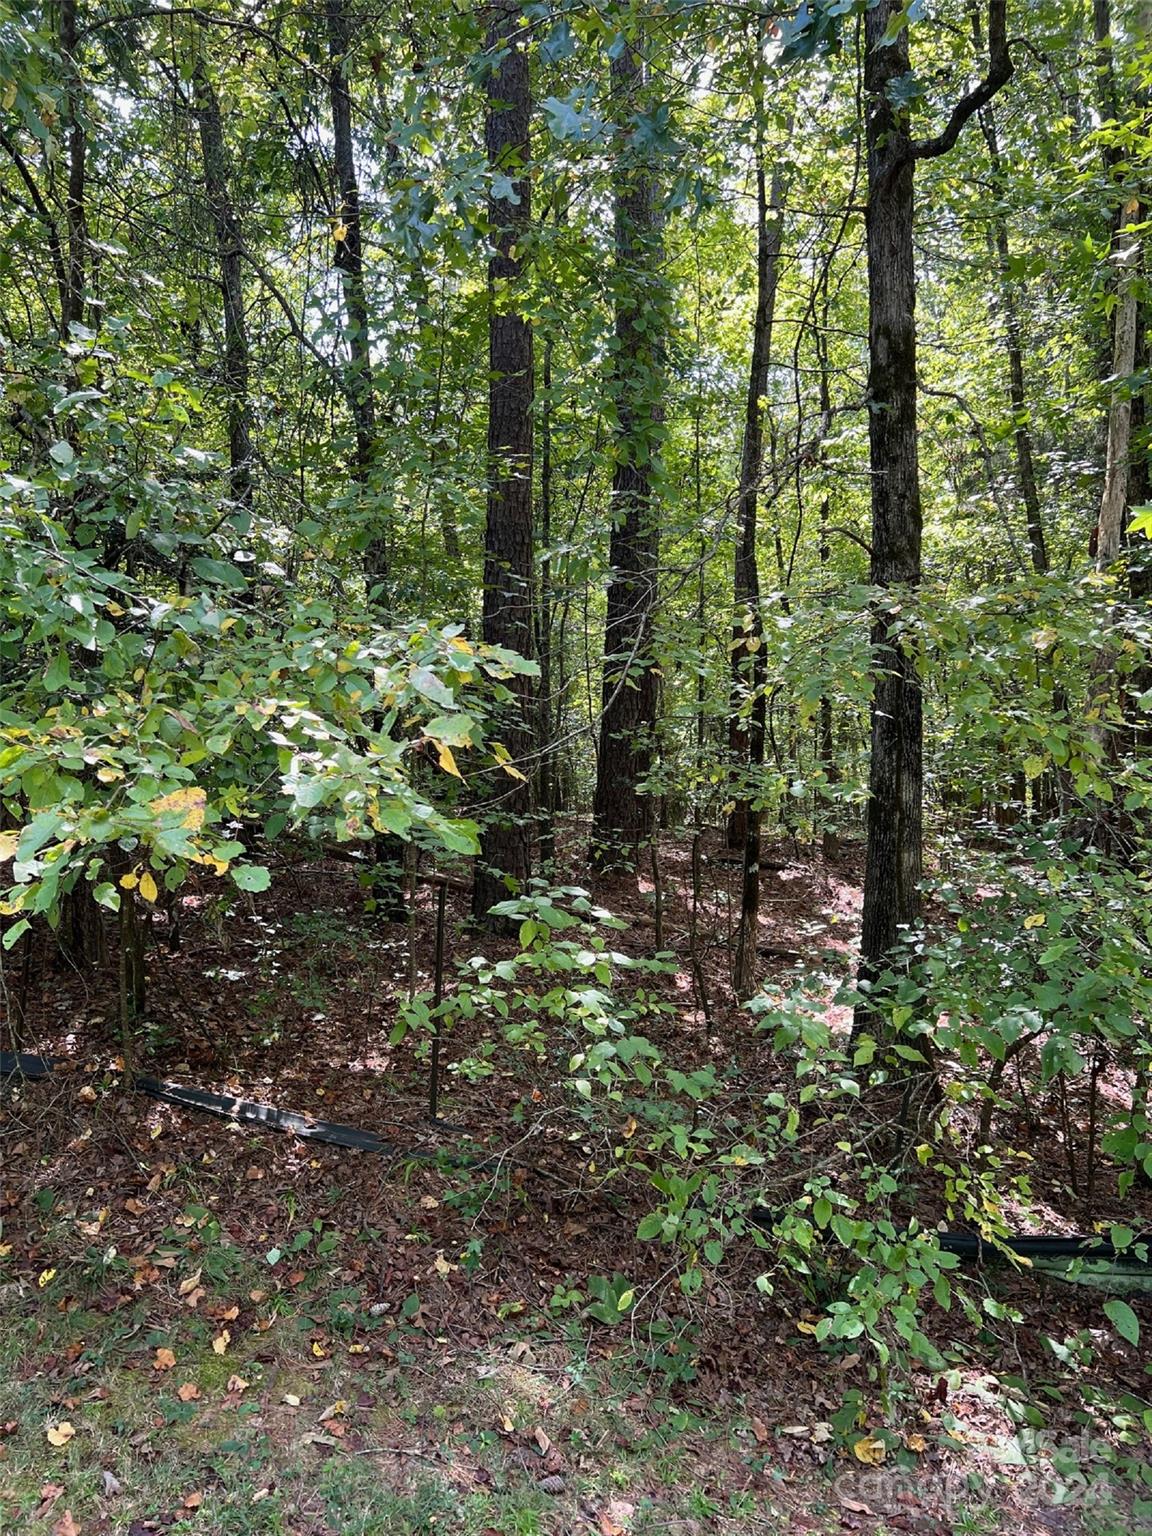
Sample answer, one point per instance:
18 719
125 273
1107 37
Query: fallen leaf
615 1516
543 1443
916 1442
45 1277
193 1500
334 1410
164 1360
221 1342
759 1429
186 1287
60 1434
188 1392
111 1485
66 1525
238 1384
49 1493
291 1399
87 1094
870 1450
855 1507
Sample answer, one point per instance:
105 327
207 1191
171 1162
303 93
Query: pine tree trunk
621 812
508 616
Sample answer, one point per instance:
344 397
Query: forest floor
213 1328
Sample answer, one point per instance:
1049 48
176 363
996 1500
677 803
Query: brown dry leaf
257 1296
870 1451
916 1442
615 1516
188 1392
66 1525
134 1207
49 1493
87 1094
855 1507
759 1429
164 1360
221 1342
193 1500
542 1441
186 1287
230 1314
60 1434
238 1384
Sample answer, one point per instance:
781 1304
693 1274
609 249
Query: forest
575 767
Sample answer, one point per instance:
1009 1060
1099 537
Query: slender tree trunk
546 781
229 243
1013 346
349 238
72 298
892 882
621 812
749 673
508 618
1114 500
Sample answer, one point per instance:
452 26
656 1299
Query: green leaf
251 877
1123 1319
219 573
62 453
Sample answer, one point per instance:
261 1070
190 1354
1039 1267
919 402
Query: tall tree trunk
361 387
546 778
1013 345
508 620
72 298
892 882
896 775
229 242
749 672
621 813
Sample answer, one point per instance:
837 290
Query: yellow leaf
340 232
109 775
148 887
188 803
870 1451
46 1277
8 841
447 761
60 1434
916 1442
130 881
1035 920
806 1327
221 1342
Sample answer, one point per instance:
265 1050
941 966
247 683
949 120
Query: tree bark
621 812
504 862
894 820
229 247
749 673
361 388
892 900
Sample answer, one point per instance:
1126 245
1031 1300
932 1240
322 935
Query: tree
621 811
896 774
508 619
